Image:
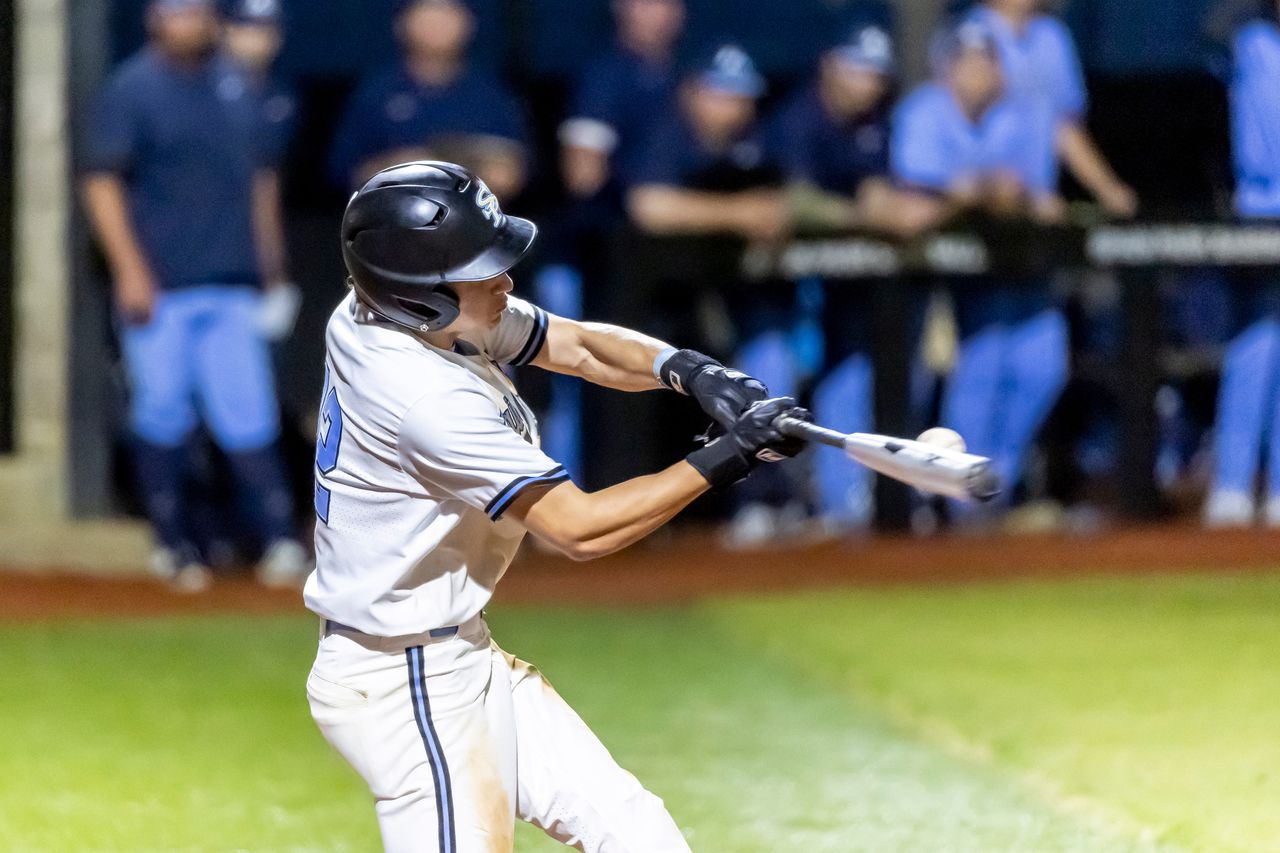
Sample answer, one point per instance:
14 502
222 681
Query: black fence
626 432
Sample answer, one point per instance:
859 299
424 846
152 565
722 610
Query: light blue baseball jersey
1039 63
934 144
1255 118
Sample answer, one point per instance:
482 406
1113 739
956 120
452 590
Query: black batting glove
750 439
722 392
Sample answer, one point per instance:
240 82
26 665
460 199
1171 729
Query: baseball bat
939 470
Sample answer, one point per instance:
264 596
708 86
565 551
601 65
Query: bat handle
795 428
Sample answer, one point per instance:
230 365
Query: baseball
943 437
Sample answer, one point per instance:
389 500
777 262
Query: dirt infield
693 567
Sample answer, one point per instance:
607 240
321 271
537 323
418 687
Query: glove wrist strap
677 369
721 463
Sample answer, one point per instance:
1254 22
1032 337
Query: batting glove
749 440
722 392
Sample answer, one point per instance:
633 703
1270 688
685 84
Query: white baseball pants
456 739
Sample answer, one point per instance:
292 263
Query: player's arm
585 525
631 361
665 209
268 227
106 202
601 353
1086 163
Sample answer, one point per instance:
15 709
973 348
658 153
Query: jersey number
328 439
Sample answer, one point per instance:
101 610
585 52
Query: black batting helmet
417 228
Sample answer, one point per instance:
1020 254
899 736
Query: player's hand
752 438
722 392
763 215
1119 200
135 295
278 311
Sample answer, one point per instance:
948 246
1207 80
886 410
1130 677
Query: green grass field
1090 715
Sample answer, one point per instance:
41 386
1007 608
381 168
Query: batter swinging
428 475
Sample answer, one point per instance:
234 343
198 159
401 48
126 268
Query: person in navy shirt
1039 63
706 169
431 104
1247 434
833 141
618 96
252 36
960 143
175 182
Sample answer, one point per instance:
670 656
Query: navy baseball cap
180 5
728 69
966 37
868 46
254 12
403 6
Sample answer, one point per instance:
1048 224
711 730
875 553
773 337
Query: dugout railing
650 275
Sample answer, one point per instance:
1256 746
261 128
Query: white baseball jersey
420 451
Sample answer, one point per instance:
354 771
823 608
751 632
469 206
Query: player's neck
1017 14
434 69
442 339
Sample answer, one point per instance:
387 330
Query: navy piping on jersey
511 490
448 836
536 339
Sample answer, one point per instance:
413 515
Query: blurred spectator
962 144
430 103
1248 403
252 36
833 141
707 170
175 183
618 96
1039 62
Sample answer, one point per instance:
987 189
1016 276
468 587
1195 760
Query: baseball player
428 475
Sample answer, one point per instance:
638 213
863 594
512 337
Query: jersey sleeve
917 154
114 136
519 335
1070 98
459 443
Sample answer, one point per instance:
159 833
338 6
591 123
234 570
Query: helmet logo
488 204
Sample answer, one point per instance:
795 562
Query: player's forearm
670 210
1084 160
586 525
268 227
600 353
107 206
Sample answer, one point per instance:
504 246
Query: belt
333 626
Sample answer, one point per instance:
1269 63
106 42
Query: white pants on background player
500 743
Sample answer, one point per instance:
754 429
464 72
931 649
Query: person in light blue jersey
430 102
965 145
1039 63
1247 434
177 183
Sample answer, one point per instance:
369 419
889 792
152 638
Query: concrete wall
34 481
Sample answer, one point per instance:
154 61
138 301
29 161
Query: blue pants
1012 365
1248 418
202 358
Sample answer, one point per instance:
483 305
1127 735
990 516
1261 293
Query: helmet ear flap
437 310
